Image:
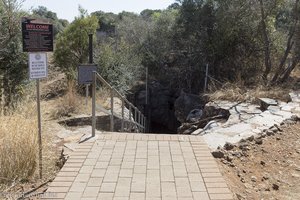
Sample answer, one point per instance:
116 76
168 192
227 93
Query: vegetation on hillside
251 42
254 41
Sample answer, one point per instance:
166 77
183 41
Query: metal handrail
138 120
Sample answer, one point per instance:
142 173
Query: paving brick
91 192
95 182
59 189
78 187
70 169
65 179
220 196
101 165
198 186
86 169
121 198
83 178
216 185
111 177
201 196
123 187
121 166
166 173
215 170
138 183
60 184
214 180
98 173
90 162
126 173
168 190
183 187
67 174
195 177
137 196
105 196
211 174
218 190
108 187
73 164
73 196
142 169
153 184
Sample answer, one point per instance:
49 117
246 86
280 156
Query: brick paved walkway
122 166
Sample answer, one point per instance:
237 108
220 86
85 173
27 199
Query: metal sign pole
39 127
206 77
86 95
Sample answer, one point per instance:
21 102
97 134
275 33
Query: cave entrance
160 110
160 128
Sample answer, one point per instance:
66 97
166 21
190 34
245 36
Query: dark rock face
194 115
161 106
186 103
200 118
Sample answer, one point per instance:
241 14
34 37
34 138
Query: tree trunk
268 64
282 74
289 70
283 60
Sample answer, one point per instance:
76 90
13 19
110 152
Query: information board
38 65
85 73
37 37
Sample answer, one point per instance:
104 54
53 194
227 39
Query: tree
117 54
13 65
72 44
44 13
292 47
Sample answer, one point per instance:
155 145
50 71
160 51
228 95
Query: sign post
37 38
38 69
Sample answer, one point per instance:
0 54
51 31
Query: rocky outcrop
200 119
188 106
247 120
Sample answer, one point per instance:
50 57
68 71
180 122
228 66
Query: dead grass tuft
68 104
18 146
239 93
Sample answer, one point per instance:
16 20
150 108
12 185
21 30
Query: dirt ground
267 170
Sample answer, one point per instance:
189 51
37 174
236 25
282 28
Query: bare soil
270 170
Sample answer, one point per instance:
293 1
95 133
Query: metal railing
133 121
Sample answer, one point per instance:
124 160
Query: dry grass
18 145
103 98
237 92
67 104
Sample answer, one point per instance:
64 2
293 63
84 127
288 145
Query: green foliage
43 13
13 63
121 67
72 44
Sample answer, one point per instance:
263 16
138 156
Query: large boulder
212 109
186 103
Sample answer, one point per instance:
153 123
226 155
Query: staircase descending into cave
123 115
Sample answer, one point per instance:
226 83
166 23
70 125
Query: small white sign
38 65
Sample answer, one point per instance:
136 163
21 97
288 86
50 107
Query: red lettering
37 27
